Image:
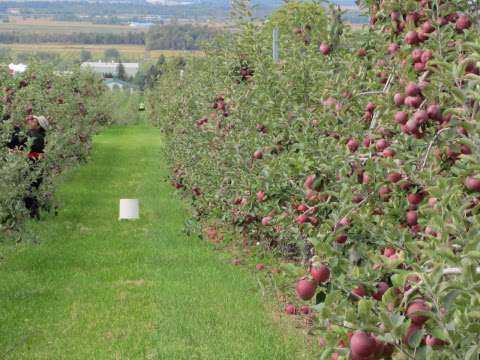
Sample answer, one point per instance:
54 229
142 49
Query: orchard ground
97 288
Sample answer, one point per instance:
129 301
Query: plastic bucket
129 209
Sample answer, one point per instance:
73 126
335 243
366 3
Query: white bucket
129 209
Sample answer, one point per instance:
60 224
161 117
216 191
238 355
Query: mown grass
97 288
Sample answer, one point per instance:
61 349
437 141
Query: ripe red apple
412 217
401 117
426 56
393 48
398 99
412 125
325 48
384 192
258 154
305 288
388 252
434 112
388 153
290 309
417 55
363 344
260 196
362 52
394 177
353 145
320 273
412 38
419 67
367 141
428 27
359 292
305 310
412 89
266 220
382 288
357 199
309 182
414 308
341 239
432 202
463 22
381 144
302 207
301 219
465 149
260 267
413 101
414 198
371 107
472 183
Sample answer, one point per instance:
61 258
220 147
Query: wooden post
276 45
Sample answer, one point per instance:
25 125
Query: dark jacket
36 137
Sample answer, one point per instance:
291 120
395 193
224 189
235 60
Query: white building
17 68
110 68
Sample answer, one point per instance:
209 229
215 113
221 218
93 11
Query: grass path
96 288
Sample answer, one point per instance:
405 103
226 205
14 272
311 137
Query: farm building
118 84
110 68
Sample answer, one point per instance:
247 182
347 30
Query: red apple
472 183
305 288
320 273
414 308
463 22
258 154
325 48
363 344
412 217
401 117
382 288
353 145
290 309
394 177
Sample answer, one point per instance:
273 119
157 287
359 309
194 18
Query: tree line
160 37
179 37
130 37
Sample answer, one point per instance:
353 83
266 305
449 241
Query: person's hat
42 121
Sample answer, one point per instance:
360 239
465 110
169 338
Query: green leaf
416 338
